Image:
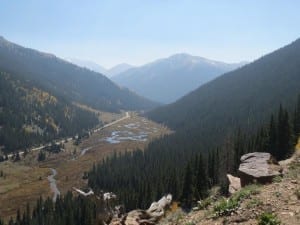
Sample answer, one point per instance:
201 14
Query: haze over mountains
88 64
208 122
244 97
39 95
166 80
62 78
100 69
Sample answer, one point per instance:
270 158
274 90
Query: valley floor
27 180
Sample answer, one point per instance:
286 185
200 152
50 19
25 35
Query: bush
249 190
41 156
277 179
190 223
226 206
268 219
254 203
203 204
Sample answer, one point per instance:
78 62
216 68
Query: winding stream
53 185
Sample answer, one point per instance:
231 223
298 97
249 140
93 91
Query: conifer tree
284 134
201 178
188 186
272 137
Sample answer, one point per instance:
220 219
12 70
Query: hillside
211 132
168 79
30 115
242 98
279 200
64 79
88 64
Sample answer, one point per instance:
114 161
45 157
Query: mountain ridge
68 80
213 126
165 80
88 64
221 96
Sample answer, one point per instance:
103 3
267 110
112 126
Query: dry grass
105 117
70 172
22 183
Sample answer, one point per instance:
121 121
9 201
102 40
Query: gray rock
234 184
258 167
144 217
157 209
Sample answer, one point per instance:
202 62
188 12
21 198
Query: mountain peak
180 55
3 40
179 74
187 59
122 67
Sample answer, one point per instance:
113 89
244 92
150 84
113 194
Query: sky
110 32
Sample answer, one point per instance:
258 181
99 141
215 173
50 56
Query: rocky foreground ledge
277 201
258 167
144 217
109 214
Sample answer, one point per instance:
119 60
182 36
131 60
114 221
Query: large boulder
157 209
258 167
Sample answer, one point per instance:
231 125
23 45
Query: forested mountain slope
30 115
237 113
242 98
166 80
67 80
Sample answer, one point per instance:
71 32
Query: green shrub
254 203
41 156
277 194
225 207
190 223
268 219
203 204
246 192
277 179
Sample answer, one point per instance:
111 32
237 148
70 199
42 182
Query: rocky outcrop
108 214
144 217
258 167
234 184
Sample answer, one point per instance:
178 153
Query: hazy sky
138 31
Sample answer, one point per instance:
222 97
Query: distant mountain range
120 68
88 64
166 80
76 84
100 69
242 98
